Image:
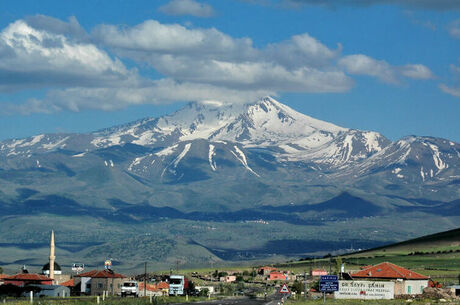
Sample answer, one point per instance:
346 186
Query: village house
47 291
23 279
95 282
406 281
318 272
157 289
227 279
2 277
277 276
266 270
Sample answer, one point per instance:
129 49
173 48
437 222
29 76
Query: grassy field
367 302
109 301
437 256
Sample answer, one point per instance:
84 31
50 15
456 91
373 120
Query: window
99 285
409 289
118 285
111 285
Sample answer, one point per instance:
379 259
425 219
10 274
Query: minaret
52 257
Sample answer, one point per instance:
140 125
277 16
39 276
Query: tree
338 265
204 292
1 270
297 286
222 274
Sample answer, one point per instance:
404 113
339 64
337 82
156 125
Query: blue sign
329 278
329 283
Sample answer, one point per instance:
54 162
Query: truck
130 288
178 285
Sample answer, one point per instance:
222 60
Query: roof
149 287
268 268
276 273
69 283
2 276
101 274
163 285
154 287
27 277
47 287
56 267
388 270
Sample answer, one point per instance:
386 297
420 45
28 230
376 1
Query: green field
437 256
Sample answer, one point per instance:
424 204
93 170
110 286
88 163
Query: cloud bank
82 70
418 4
187 8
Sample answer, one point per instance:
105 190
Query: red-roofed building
2 277
159 289
276 275
406 281
69 283
266 270
318 272
22 279
95 282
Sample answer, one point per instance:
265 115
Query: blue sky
78 66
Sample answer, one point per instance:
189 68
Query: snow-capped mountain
268 124
266 141
213 169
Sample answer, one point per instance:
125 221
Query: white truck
178 285
130 288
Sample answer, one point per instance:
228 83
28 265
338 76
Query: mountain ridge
211 174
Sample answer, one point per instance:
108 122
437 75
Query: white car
130 288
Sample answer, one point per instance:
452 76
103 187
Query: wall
112 285
415 286
365 290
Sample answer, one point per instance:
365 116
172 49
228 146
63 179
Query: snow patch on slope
167 151
211 154
438 162
182 154
242 158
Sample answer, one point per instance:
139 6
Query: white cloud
301 64
454 29
187 7
31 58
419 4
108 99
194 63
364 65
416 71
360 64
152 37
450 90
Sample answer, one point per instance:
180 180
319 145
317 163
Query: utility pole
145 279
305 284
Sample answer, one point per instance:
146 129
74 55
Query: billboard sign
78 267
365 290
108 264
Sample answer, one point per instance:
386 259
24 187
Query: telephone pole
145 279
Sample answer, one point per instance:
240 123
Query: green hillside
436 255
